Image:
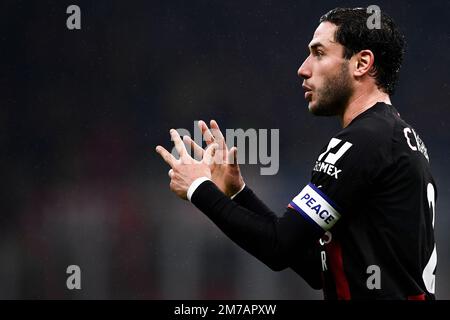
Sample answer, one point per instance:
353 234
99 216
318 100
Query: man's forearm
269 238
247 199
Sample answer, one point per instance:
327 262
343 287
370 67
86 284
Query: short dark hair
386 43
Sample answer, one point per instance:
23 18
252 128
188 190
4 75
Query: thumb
209 153
232 157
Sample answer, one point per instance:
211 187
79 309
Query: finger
215 130
232 157
209 153
198 151
166 155
171 173
207 135
179 146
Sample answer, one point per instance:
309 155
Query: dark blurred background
82 110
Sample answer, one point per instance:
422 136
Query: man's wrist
234 195
194 185
197 182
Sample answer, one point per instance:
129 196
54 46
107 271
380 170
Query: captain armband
316 207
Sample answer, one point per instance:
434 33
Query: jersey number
428 275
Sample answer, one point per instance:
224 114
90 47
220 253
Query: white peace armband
316 207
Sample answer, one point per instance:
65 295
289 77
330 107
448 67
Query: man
363 227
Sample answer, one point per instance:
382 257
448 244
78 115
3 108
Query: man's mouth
308 92
308 95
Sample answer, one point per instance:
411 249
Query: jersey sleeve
277 241
342 177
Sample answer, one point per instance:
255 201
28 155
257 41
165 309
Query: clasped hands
217 162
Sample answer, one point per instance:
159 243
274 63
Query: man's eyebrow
316 45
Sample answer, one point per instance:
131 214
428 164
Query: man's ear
364 62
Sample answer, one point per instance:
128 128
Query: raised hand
186 170
225 172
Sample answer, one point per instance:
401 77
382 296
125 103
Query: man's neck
361 102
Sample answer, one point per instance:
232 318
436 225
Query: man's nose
304 71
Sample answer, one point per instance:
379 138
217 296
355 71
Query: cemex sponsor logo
327 160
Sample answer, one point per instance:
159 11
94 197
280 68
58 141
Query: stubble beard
335 94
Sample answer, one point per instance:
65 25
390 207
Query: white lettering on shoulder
416 144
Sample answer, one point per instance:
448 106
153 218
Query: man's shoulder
382 132
377 126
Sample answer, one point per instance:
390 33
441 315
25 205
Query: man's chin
312 108
320 111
